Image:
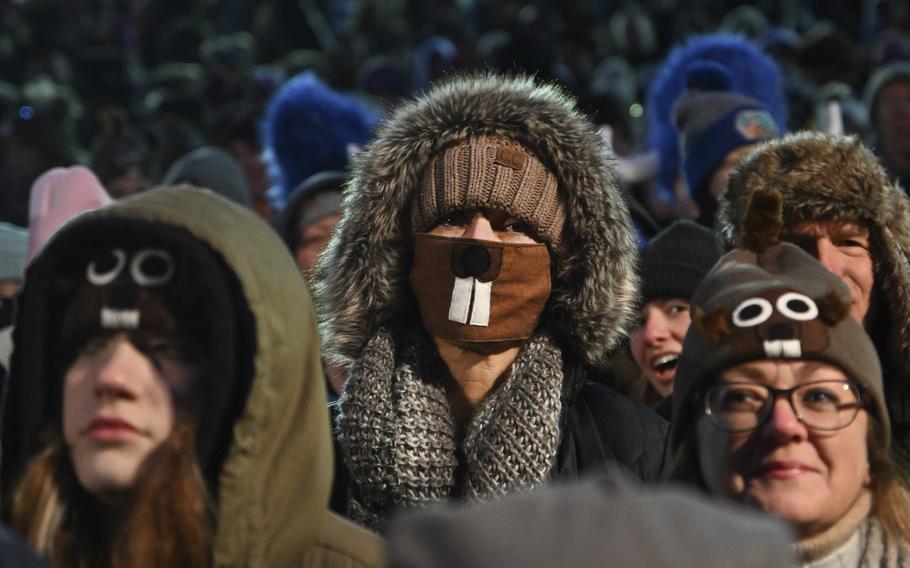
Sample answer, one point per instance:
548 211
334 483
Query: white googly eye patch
152 267
797 306
105 268
752 312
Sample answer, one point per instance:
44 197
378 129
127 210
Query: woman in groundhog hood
175 291
485 261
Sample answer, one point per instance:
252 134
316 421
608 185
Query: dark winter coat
604 429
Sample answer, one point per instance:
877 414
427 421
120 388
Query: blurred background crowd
271 103
128 87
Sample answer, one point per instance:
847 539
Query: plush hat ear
832 308
713 326
762 221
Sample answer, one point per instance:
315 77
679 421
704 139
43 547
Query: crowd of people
484 283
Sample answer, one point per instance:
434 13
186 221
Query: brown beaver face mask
475 291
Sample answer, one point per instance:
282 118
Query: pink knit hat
57 196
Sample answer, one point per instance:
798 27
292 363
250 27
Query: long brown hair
166 519
890 486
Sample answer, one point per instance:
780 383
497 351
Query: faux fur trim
362 278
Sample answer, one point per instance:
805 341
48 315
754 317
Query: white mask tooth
480 315
461 300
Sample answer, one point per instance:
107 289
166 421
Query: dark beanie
674 262
713 120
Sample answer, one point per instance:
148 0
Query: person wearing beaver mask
484 262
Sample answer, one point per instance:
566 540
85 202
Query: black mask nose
475 260
471 259
781 331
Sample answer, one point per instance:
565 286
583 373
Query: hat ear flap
712 326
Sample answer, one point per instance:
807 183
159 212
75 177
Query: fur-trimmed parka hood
362 281
821 176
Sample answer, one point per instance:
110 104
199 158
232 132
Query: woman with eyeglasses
779 405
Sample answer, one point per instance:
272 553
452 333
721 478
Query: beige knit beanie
490 172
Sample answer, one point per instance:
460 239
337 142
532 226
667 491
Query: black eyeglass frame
764 413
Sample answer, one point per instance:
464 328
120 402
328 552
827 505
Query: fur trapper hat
362 279
827 177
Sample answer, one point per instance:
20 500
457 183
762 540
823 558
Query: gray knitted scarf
397 433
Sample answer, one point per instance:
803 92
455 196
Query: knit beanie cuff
670 280
321 205
490 172
741 126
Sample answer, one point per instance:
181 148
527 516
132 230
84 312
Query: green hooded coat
274 474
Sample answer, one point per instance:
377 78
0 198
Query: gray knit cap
898 72
13 242
211 168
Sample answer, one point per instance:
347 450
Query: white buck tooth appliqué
783 348
461 300
480 315
461 306
119 319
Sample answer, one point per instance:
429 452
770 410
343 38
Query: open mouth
665 365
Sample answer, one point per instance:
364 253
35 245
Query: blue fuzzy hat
310 128
713 121
753 73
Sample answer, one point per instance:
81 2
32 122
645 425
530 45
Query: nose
783 425
655 329
480 228
117 366
829 256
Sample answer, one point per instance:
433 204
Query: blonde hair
59 519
